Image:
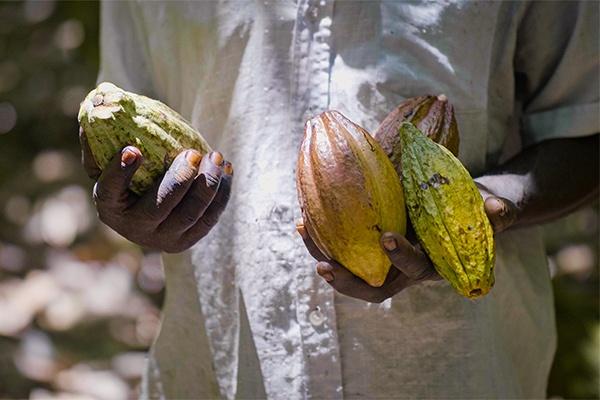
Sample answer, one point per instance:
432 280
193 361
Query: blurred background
79 305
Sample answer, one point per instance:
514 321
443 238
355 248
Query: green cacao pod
349 194
113 118
432 115
447 213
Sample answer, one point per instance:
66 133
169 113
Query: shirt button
316 317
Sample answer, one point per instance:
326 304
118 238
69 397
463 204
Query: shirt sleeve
557 70
124 58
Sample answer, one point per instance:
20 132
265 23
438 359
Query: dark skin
542 183
179 210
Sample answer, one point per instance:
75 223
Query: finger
411 260
219 202
349 284
313 249
211 216
344 281
199 196
325 270
501 212
87 158
111 192
156 205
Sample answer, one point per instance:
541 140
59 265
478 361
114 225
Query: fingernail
128 157
193 157
216 158
390 243
228 168
328 276
324 268
497 206
301 230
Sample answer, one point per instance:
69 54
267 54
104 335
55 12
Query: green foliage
48 61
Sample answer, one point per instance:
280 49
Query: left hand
410 264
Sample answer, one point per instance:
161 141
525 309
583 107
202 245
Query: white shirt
245 314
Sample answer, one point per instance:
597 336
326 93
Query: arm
545 181
556 87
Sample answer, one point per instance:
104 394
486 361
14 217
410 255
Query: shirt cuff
574 121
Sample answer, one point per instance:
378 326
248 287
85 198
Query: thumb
409 259
112 188
501 212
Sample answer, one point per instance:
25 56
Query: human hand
410 263
180 209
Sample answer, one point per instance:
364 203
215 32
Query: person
245 314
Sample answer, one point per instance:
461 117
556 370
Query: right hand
180 209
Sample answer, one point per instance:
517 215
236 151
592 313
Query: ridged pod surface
447 213
113 118
350 194
432 115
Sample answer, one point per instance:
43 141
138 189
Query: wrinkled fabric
245 314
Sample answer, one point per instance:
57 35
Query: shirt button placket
319 13
316 312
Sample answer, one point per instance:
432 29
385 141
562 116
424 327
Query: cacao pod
113 118
447 213
432 115
349 194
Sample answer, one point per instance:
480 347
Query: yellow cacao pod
349 194
432 115
447 213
